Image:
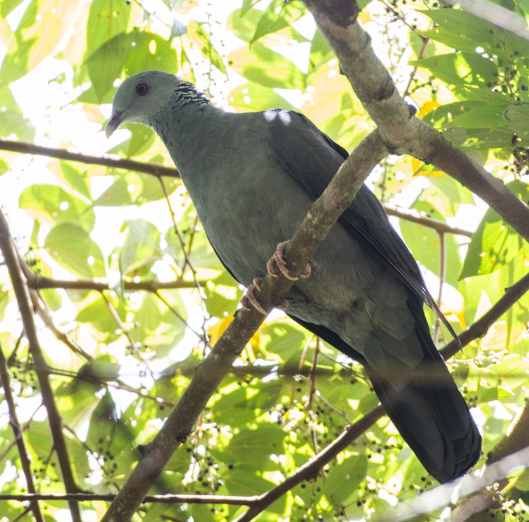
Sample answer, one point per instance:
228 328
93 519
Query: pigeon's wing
312 158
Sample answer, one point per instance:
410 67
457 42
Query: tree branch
106 161
159 499
54 418
40 283
399 129
19 434
322 215
414 217
154 170
481 326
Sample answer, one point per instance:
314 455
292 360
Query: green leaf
71 247
518 115
283 339
106 63
240 482
141 248
106 20
277 16
460 69
484 116
266 67
96 313
465 24
344 479
4 167
120 193
252 97
492 246
320 51
107 45
244 28
4 301
12 122
257 445
448 38
141 140
425 246
246 6
51 204
200 38
496 393
103 368
149 52
77 180
16 62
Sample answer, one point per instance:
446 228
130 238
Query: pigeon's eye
142 89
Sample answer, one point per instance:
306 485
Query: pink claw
278 260
249 298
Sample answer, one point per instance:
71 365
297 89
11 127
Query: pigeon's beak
114 123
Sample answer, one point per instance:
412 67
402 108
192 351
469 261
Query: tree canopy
111 297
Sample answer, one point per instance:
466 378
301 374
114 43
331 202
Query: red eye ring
141 89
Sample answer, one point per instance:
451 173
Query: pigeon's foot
278 260
250 299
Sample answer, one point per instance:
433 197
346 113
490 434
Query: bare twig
39 282
311 469
159 499
106 161
19 434
481 326
48 398
442 277
312 391
415 217
26 426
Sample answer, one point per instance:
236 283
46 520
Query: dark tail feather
434 420
429 411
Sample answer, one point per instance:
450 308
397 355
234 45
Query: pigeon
252 178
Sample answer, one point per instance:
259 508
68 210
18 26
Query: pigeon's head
140 97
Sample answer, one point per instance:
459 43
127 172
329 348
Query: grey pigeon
252 178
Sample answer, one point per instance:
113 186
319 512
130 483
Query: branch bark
54 418
106 161
399 129
322 215
19 435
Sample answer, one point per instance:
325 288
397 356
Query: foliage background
135 351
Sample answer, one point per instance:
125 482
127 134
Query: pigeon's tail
432 417
428 410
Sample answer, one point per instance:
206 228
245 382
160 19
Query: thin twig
48 398
313 389
26 426
18 433
106 161
442 277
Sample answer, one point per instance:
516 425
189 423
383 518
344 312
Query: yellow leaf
426 108
218 329
417 167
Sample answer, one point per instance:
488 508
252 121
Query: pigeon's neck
191 129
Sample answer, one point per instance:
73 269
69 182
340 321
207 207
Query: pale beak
113 123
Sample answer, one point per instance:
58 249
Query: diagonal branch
54 418
399 129
322 215
19 434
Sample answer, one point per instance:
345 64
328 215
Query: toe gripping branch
276 260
